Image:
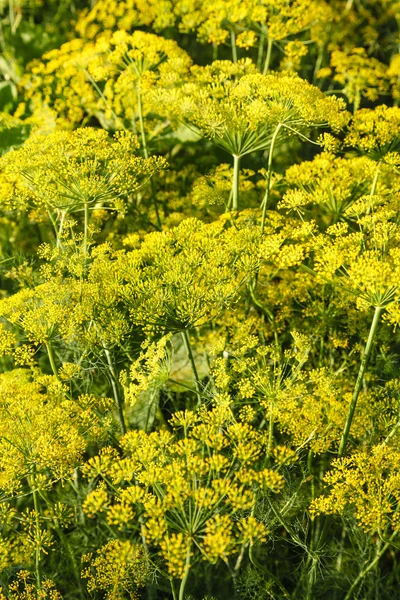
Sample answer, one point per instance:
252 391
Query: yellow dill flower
24 588
40 435
174 550
183 277
149 372
239 110
125 15
363 264
218 540
368 481
361 75
190 485
59 80
375 131
117 568
332 183
65 171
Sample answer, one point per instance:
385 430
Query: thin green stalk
60 228
52 360
53 222
186 574
266 572
348 7
318 63
268 57
391 434
260 52
114 385
357 102
264 203
141 121
85 229
375 180
38 570
72 558
106 103
215 51
235 182
188 348
270 431
173 590
145 148
357 387
369 567
289 529
233 44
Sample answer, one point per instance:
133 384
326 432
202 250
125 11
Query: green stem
266 572
72 558
114 385
50 354
318 63
268 314
60 228
375 180
270 431
264 203
268 57
348 7
38 571
173 590
141 121
215 51
357 387
260 52
288 528
188 348
85 230
342 446
145 148
186 574
233 44
235 182
368 568
53 222
357 102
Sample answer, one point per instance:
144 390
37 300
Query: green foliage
199 306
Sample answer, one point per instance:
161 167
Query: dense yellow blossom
190 488
200 301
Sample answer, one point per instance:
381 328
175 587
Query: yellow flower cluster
117 568
368 481
192 486
240 110
43 436
66 170
359 74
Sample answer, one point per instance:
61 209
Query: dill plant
197 402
